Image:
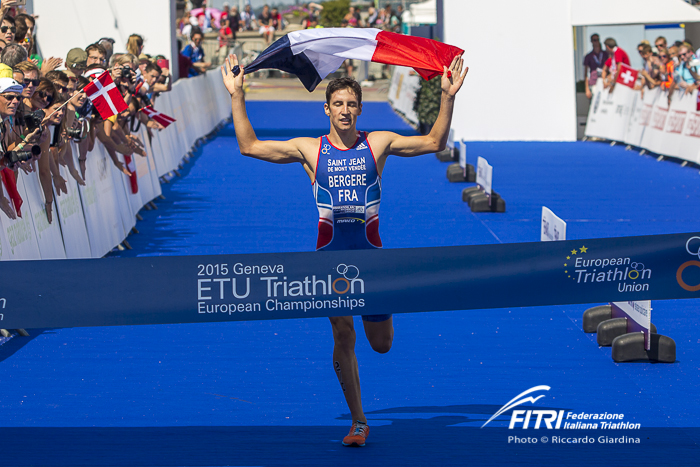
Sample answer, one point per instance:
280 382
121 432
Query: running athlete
345 168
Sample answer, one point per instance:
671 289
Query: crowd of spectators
670 67
228 22
44 107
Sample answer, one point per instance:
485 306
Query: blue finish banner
190 289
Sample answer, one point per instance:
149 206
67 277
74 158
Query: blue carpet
264 393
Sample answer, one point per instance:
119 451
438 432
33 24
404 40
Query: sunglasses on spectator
595 40
4 29
33 82
11 97
46 96
60 88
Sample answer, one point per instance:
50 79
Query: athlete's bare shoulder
308 148
380 141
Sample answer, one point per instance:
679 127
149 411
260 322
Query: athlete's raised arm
280 152
387 143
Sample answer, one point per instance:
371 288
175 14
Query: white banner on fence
69 213
90 220
404 87
19 233
648 120
553 228
99 201
48 235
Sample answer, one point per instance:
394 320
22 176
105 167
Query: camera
15 157
79 134
128 73
33 120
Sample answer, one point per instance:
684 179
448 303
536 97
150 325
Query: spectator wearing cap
195 53
10 97
96 54
144 59
616 56
76 62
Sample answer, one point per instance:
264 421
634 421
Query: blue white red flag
312 54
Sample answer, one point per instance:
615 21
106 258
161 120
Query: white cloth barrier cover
647 121
90 220
99 201
403 90
19 240
69 213
48 235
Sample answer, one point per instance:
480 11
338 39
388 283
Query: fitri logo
523 416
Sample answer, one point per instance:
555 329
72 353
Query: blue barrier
184 289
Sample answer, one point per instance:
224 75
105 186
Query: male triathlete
345 169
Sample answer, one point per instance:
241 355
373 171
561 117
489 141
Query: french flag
312 54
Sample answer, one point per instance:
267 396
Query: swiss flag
153 114
105 96
627 76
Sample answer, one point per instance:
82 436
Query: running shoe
358 434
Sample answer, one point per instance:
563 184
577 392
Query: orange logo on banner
679 276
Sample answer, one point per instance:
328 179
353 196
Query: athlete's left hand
451 84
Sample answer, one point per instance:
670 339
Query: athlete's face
343 109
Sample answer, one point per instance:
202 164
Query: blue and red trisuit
348 191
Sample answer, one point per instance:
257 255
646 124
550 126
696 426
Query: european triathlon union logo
583 267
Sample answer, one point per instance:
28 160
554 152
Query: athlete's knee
343 330
382 343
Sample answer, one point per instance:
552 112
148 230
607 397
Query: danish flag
161 118
105 96
628 76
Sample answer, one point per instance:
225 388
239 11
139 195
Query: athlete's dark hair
344 83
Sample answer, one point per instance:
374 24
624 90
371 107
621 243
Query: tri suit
348 190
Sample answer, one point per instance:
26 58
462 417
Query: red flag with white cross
161 118
105 96
628 76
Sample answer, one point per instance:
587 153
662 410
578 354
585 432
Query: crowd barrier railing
89 221
646 120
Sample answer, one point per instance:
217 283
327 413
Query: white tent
421 13
521 83
598 12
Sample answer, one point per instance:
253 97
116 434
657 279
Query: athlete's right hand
234 84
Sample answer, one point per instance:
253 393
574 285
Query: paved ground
291 89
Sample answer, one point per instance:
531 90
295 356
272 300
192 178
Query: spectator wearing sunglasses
593 64
8 29
42 99
31 78
60 82
9 101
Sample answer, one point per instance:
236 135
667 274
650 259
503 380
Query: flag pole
62 105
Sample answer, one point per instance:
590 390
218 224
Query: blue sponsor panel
184 289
